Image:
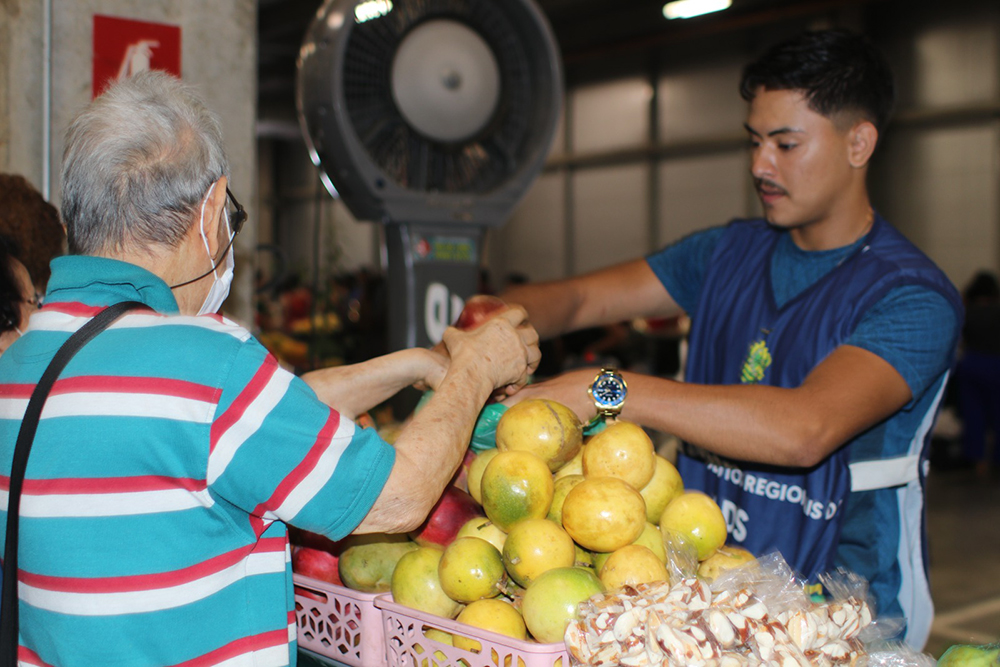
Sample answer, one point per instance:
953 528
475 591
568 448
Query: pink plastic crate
406 644
338 623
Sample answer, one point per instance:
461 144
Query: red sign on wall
123 47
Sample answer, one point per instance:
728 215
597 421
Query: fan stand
432 271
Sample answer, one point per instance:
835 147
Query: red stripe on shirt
137 385
250 392
148 582
25 654
120 384
90 485
305 466
239 647
257 524
16 390
73 308
77 309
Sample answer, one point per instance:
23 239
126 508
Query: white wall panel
353 243
956 63
611 209
559 140
610 115
532 242
942 193
701 101
700 192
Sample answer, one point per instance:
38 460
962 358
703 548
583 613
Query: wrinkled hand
570 389
503 349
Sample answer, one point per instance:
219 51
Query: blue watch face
609 391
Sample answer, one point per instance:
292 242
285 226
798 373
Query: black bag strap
29 424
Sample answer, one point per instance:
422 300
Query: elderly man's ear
214 220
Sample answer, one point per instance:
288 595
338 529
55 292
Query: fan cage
475 165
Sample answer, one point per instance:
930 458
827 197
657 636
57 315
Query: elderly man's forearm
428 453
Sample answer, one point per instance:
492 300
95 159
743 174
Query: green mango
367 563
964 655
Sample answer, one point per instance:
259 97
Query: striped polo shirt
169 457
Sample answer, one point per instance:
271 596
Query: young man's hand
569 388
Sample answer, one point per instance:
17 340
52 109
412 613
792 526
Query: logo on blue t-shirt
757 361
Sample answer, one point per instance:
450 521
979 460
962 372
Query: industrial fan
431 117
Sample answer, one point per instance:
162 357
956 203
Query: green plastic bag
594 426
484 433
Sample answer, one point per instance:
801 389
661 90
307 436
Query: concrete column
218 55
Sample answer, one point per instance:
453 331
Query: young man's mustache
768 186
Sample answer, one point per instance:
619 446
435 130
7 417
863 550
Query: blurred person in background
978 373
17 295
33 224
156 499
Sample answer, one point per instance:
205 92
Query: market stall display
549 556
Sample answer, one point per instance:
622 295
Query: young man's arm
851 390
616 294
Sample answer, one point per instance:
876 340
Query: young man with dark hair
821 338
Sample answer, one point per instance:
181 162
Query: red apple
452 510
317 564
303 538
478 309
461 478
306 593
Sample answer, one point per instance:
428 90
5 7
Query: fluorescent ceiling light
372 9
685 9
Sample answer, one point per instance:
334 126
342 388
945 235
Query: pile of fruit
536 527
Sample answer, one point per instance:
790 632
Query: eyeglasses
236 220
237 217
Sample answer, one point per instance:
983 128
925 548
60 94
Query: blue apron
739 335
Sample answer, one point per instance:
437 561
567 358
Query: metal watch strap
604 412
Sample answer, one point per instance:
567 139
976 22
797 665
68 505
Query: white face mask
220 286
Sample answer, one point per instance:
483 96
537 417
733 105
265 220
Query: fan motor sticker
441 309
444 249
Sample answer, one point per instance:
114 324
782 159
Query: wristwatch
608 391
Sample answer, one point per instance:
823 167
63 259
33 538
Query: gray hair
138 161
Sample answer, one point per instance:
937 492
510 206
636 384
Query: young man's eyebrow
772 133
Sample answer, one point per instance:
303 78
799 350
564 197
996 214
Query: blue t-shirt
903 328
912 326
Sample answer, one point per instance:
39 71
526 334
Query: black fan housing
429 111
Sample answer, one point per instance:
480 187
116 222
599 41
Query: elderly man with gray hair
173 450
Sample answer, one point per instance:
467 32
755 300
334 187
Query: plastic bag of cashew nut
757 614
896 654
879 638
